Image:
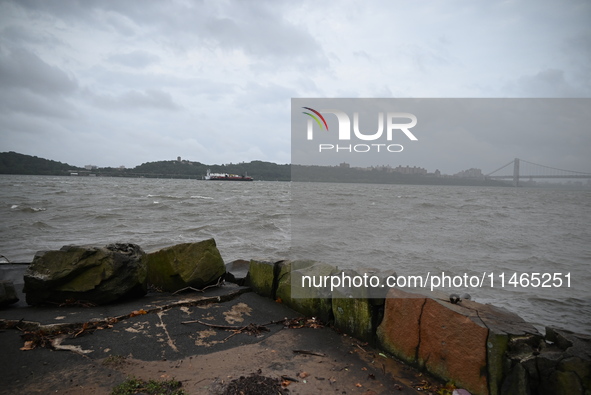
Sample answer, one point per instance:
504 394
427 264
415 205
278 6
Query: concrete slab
73 314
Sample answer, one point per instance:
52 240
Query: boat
226 177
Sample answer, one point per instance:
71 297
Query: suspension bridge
523 169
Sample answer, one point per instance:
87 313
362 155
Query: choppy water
410 229
39 213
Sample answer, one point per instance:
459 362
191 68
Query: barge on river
226 177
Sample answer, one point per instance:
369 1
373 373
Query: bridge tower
516 172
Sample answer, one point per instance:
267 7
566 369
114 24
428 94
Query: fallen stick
309 353
235 333
214 325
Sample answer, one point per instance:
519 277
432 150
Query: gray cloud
135 59
26 102
22 69
148 99
22 36
546 83
212 81
31 86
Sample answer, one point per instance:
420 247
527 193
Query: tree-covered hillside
259 170
15 163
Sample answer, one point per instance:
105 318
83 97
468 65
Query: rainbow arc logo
316 118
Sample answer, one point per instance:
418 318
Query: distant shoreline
20 164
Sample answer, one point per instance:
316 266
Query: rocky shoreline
480 348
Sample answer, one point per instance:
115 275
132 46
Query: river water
413 230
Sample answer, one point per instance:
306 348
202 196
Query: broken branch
309 353
219 283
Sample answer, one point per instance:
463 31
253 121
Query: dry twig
219 283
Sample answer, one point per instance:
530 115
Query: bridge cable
500 168
548 167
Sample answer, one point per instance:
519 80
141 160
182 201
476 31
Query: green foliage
15 163
152 387
259 170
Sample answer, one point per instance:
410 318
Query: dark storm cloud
212 80
31 86
263 32
257 28
22 69
20 35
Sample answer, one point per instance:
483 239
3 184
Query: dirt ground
194 340
341 365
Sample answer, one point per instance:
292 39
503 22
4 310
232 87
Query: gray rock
7 293
97 275
236 271
516 382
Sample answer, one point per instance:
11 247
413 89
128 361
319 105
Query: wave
276 215
27 209
171 197
107 216
41 225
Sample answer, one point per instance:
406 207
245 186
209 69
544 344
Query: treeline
259 170
15 163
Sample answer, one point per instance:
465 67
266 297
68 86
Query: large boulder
185 265
465 342
562 365
352 308
296 289
97 275
399 332
262 277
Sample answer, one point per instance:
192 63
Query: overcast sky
113 83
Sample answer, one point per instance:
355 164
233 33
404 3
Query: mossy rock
353 310
97 275
305 298
185 265
261 277
579 366
353 316
496 345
